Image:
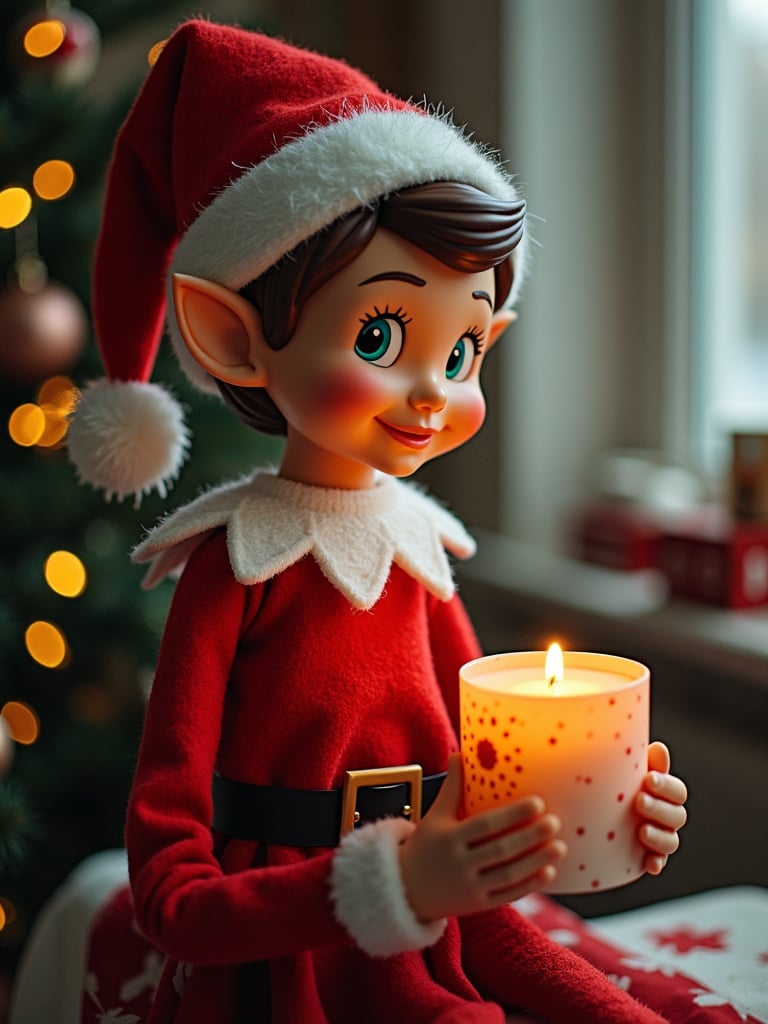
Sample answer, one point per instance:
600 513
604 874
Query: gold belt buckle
410 773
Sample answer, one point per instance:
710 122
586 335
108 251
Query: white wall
584 123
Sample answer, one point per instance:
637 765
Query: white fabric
49 982
322 174
272 523
718 938
127 437
368 893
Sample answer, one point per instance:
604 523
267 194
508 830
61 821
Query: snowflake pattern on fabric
622 981
114 1016
147 980
703 997
686 938
653 972
649 965
564 937
655 976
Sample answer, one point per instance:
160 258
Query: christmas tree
78 637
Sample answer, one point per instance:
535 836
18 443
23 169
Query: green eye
460 360
380 340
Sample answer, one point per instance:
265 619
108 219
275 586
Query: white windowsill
715 638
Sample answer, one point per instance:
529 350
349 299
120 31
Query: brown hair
464 228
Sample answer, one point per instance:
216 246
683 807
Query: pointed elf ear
501 321
221 329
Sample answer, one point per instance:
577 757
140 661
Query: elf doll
334 263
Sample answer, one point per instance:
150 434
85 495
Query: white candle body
581 744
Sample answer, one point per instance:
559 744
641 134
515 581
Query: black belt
319 817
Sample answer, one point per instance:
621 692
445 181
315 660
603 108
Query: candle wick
552 681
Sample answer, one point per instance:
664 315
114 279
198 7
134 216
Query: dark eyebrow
483 295
395 275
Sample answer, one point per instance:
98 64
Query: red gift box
617 535
724 564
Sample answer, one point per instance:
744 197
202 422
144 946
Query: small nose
428 393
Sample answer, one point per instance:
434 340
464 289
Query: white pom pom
127 438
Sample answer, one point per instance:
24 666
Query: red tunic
284 682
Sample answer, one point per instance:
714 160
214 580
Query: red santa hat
238 148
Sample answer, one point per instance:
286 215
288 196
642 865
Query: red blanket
123 969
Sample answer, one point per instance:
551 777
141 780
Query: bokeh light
56 397
15 204
65 574
44 37
155 51
22 721
56 426
7 913
53 179
26 424
46 644
58 391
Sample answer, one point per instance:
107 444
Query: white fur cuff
368 892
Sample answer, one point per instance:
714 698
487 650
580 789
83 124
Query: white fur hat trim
315 179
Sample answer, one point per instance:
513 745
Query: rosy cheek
348 390
470 413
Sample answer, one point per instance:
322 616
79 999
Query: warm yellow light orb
26 424
53 179
22 721
59 391
155 51
56 397
56 426
46 644
65 573
15 204
8 912
44 37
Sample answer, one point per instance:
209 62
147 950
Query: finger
658 757
658 840
512 845
661 812
667 787
507 876
485 826
535 883
655 863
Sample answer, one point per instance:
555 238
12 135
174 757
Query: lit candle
576 736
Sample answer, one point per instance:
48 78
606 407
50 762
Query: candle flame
553 667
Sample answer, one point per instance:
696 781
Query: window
730 225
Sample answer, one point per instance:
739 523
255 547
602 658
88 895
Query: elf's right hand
452 866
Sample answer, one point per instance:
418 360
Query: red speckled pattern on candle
585 754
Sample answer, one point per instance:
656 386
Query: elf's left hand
660 805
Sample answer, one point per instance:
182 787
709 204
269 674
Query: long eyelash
477 337
398 314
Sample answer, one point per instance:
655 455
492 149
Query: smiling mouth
412 437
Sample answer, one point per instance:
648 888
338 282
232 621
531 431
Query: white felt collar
354 536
